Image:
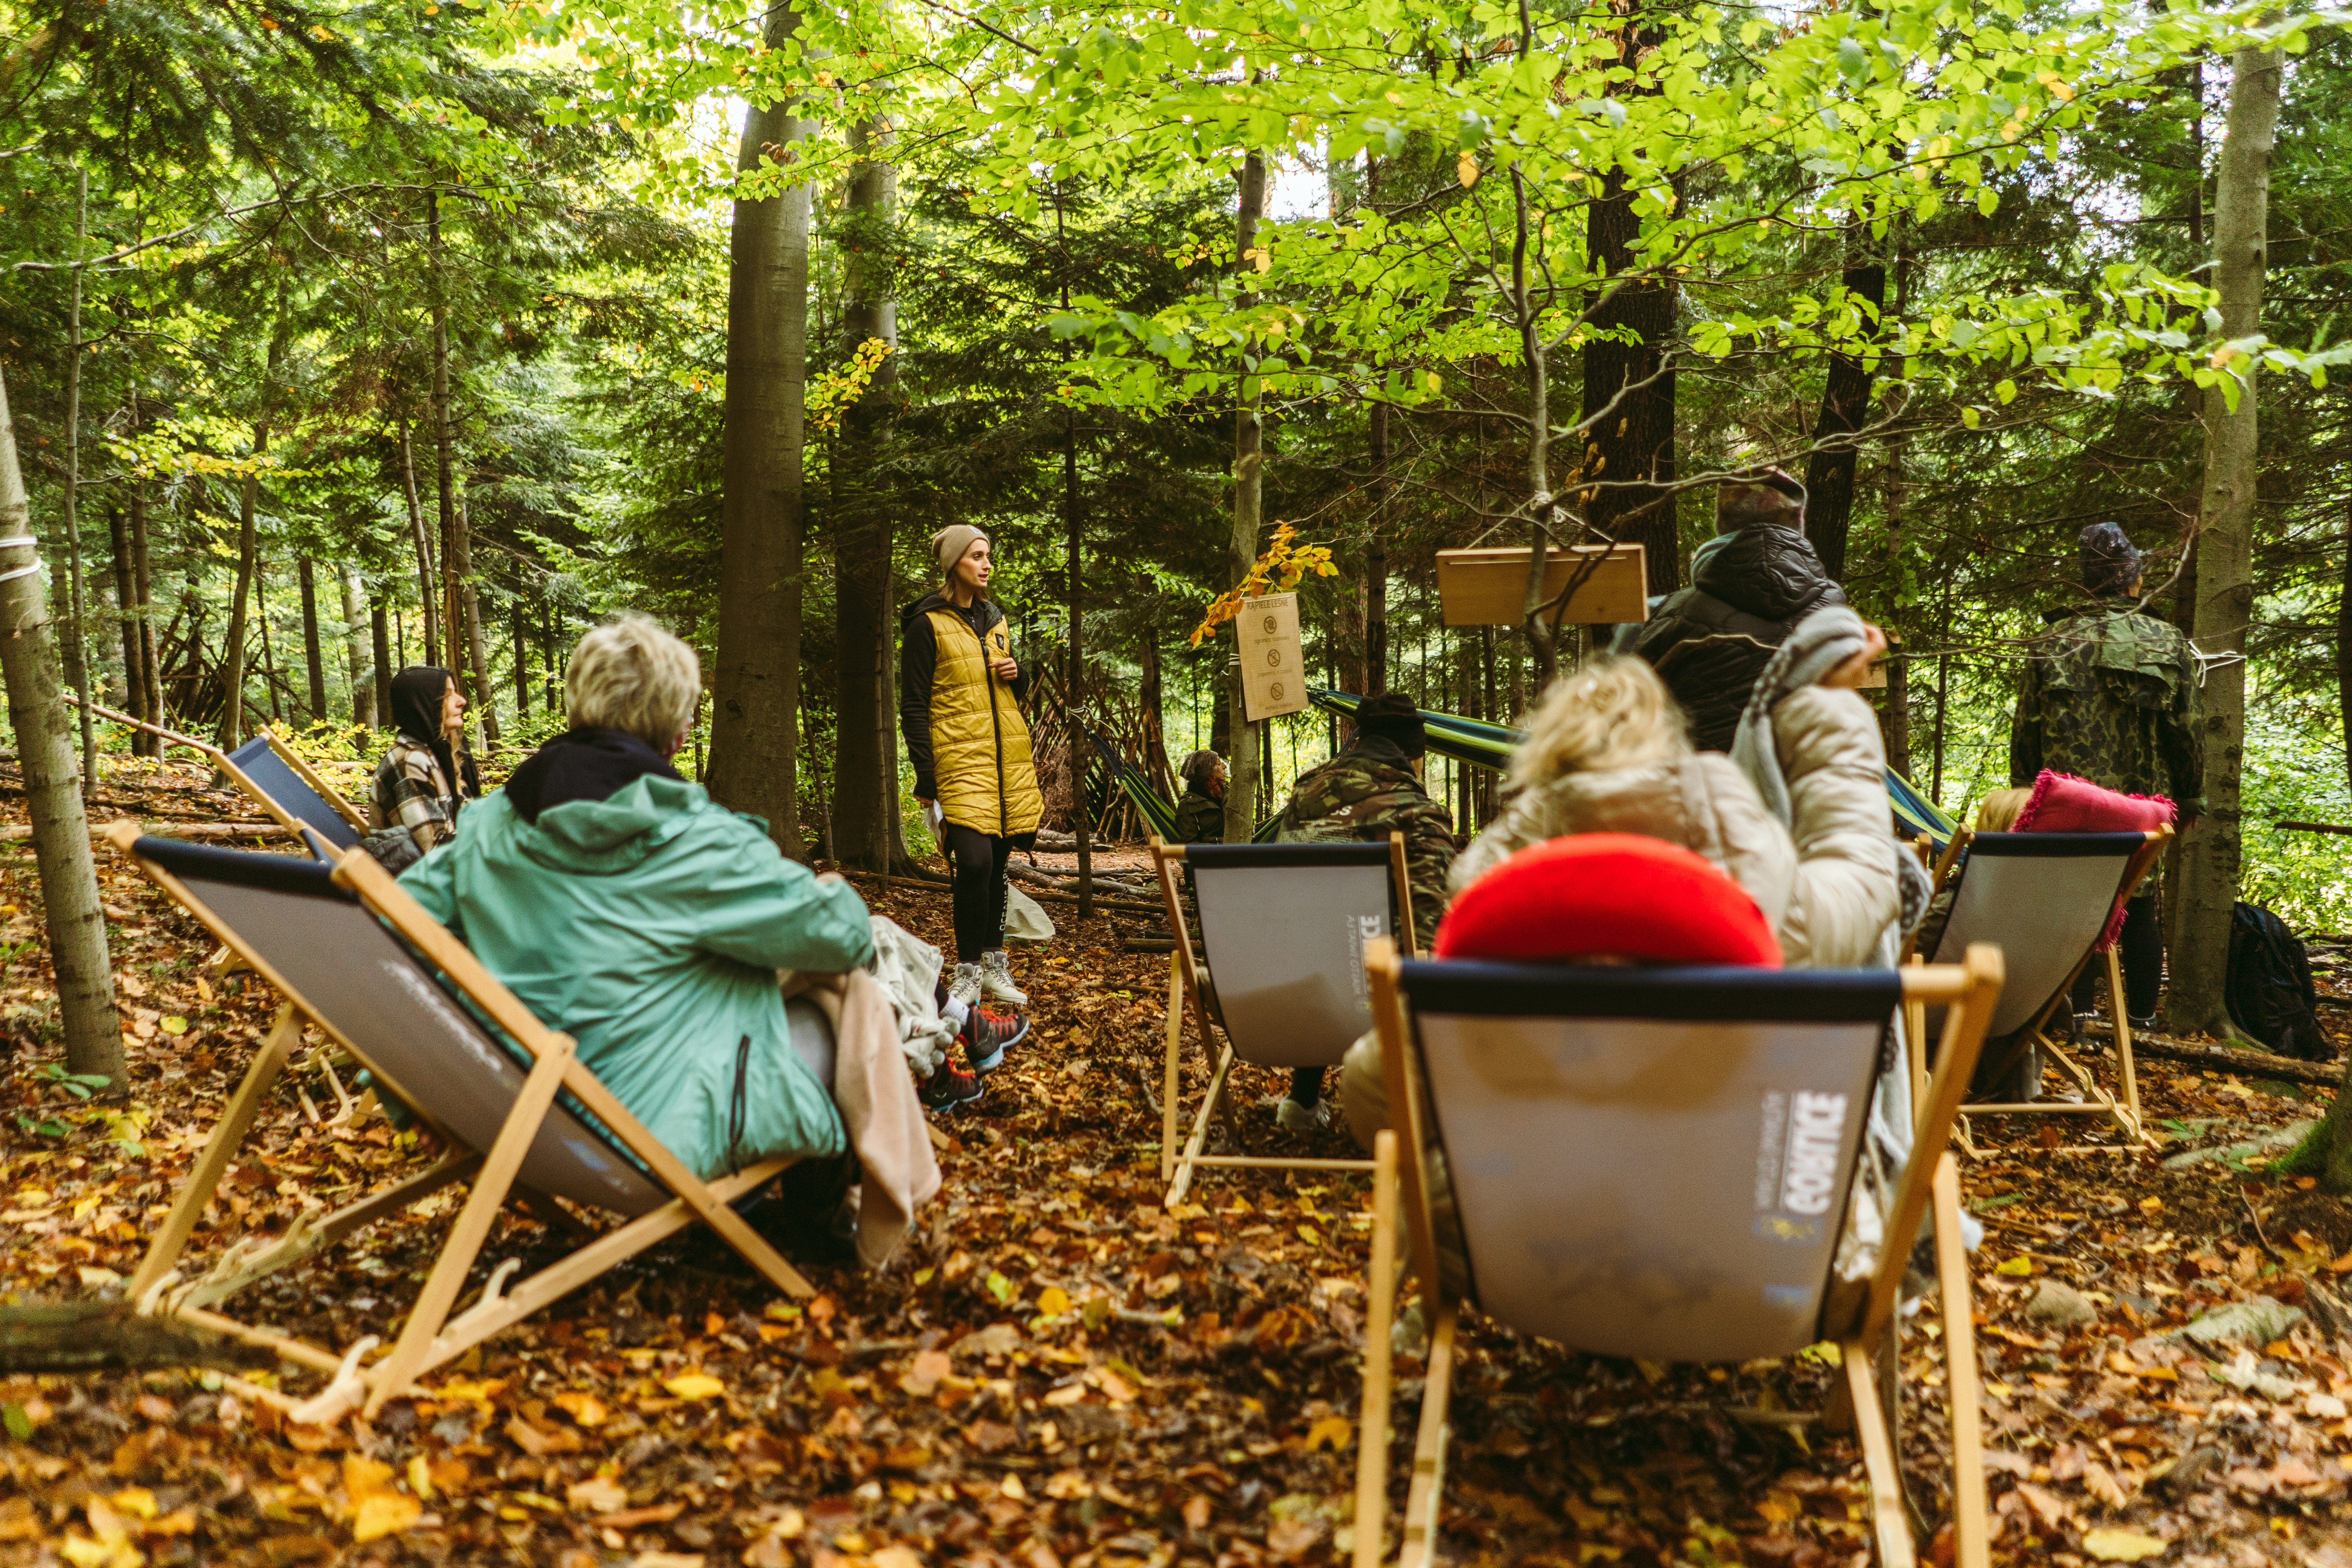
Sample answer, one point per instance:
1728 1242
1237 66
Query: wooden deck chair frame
432 1336
1186 996
2122 1109
1968 992
262 797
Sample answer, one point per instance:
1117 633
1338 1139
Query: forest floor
1003 1396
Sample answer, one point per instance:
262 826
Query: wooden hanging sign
1488 587
1274 661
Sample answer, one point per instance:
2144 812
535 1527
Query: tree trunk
1539 625
134 681
425 596
382 636
77 622
1635 441
2210 860
231 719
2344 643
866 783
358 670
755 689
143 586
1240 549
36 713
1376 561
269 681
452 616
314 662
1073 685
485 710
1846 408
521 624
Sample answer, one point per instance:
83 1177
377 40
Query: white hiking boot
964 986
996 978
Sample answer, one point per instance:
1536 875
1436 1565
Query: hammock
1484 745
1137 789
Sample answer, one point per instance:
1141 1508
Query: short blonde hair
631 674
1998 812
1609 713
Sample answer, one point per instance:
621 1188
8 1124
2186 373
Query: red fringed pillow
2064 803
1608 893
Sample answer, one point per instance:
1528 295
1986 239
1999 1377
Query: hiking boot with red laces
946 1088
986 1035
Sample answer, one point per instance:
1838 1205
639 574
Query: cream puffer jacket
1703 802
1826 883
1830 751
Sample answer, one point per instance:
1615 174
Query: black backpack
2270 994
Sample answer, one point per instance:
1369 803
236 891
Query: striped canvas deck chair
290 789
518 1114
1656 1163
1279 973
2046 897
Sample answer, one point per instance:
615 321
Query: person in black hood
429 775
1750 586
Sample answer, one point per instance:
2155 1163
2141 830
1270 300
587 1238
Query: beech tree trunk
1846 408
865 772
117 537
77 622
755 705
149 706
1376 562
1635 442
44 752
2210 859
425 596
450 605
1240 549
359 669
314 662
380 632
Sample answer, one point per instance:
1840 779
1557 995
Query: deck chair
2046 897
1280 970
1655 1164
519 1114
290 789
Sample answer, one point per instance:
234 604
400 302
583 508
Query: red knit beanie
1619 893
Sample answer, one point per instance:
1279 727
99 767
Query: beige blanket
876 1095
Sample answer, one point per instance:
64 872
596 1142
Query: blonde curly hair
1609 713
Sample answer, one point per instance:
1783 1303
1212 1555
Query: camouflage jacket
1200 819
2111 696
1366 792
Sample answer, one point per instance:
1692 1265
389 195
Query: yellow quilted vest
980 742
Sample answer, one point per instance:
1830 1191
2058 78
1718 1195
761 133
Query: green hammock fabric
1156 811
1484 745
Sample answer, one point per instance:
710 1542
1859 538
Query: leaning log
2231 1059
108 1336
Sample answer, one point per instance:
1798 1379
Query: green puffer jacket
649 926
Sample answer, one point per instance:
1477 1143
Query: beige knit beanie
950 543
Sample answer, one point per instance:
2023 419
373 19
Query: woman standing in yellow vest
959 693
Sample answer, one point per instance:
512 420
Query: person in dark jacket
1201 814
1750 586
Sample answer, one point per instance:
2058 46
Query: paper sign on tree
1273 662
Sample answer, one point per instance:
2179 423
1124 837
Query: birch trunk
36 711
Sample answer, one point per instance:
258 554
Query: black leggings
2142 950
979 859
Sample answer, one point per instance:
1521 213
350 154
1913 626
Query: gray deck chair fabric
1282 928
342 963
261 762
1651 1163
2045 897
